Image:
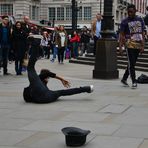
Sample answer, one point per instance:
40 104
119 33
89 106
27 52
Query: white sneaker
91 88
88 89
134 85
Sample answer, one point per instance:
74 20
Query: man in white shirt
96 28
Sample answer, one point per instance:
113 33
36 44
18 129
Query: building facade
60 11
119 9
20 8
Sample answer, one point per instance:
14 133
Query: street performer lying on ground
37 91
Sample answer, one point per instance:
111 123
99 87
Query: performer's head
44 75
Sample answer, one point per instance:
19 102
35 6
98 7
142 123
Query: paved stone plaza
116 116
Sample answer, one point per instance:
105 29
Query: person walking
61 43
45 45
37 91
85 40
131 36
26 26
54 46
27 29
95 29
19 46
5 42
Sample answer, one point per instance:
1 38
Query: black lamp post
74 15
100 6
106 58
75 10
107 22
53 22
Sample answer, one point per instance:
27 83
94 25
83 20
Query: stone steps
141 65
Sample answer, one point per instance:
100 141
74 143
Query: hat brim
74 131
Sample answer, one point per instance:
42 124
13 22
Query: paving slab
85 117
114 142
115 108
12 137
132 131
144 144
133 116
12 123
36 114
44 139
56 126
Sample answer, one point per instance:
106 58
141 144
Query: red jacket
76 38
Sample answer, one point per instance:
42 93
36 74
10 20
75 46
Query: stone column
106 58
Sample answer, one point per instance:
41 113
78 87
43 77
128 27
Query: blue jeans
55 52
4 52
18 66
75 49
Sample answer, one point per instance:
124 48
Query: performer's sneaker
134 85
90 88
125 84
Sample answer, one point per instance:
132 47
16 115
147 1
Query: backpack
143 79
146 19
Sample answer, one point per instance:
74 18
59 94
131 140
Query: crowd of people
13 43
57 43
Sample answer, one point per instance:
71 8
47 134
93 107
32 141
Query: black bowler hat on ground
75 136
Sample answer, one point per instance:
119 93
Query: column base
105 74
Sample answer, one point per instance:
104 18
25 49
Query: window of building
65 13
60 13
6 9
52 13
35 12
30 11
121 15
125 15
79 14
117 15
87 13
68 13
